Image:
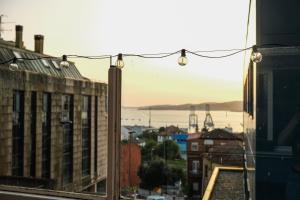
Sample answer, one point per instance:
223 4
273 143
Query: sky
98 27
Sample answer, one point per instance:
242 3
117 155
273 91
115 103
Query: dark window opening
18 133
245 99
46 135
250 97
262 106
67 113
86 135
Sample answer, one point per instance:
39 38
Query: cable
223 56
159 55
156 55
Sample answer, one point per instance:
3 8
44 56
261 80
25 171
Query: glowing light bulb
13 66
64 62
120 62
182 60
256 56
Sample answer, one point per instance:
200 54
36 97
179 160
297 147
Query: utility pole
114 132
149 117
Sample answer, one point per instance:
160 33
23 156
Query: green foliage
124 141
149 135
161 129
169 150
148 150
152 175
156 173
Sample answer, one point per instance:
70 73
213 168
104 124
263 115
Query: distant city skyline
96 27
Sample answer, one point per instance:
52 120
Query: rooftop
225 183
49 66
219 134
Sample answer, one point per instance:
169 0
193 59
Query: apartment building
53 121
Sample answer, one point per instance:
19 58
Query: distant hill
235 106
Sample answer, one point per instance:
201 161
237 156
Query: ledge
24 193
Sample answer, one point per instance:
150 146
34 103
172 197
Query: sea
180 118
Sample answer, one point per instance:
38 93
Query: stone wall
29 82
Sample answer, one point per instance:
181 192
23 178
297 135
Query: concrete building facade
53 122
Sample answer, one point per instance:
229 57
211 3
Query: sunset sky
96 27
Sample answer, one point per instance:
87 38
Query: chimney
19 36
39 44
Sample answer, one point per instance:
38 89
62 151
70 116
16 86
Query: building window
245 95
18 133
249 91
262 106
195 186
46 135
96 135
86 135
195 166
194 146
67 113
32 134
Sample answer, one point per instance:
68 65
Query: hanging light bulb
182 60
13 66
64 62
256 55
120 62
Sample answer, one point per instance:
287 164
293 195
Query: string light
64 62
182 60
13 66
256 55
120 62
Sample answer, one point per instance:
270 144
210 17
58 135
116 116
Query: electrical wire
222 56
156 55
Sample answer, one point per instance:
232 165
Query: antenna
1 24
149 117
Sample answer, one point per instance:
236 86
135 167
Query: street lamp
152 153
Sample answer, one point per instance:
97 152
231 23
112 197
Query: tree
156 173
152 175
161 129
148 150
168 149
149 135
